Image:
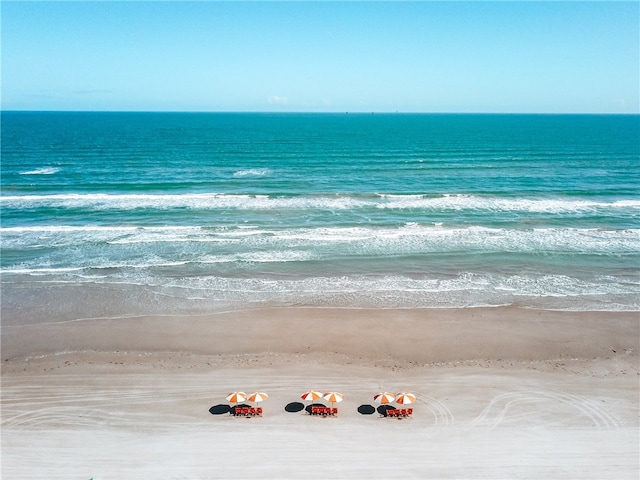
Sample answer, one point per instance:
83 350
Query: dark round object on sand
366 409
382 409
309 407
219 409
294 407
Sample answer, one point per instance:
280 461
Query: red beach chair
259 411
334 411
409 412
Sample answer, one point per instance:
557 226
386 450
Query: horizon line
312 112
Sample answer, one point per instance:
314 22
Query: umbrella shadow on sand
308 408
294 407
366 409
382 409
219 409
232 410
222 408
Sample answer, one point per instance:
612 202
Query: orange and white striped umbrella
237 397
257 397
405 398
384 397
311 395
333 397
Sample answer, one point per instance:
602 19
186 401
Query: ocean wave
499 204
253 172
465 289
212 201
42 171
411 238
521 285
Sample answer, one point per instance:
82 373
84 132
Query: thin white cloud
277 100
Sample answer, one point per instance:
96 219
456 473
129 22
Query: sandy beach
502 393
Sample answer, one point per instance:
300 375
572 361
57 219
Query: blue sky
556 57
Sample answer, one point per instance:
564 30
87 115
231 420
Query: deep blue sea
112 214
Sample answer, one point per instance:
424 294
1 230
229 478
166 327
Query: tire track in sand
531 407
441 413
38 404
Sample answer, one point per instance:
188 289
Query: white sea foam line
469 202
517 284
253 172
409 228
384 201
41 271
52 270
42 171
405 239
98 228
467 290
134 241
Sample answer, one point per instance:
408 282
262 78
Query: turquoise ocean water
110 214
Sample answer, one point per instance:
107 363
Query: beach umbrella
405 398
236 397
333 397
384 397
311 395
257 397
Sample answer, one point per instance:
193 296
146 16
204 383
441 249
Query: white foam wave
411 238
42 171
498 204
42 270
146 264
263 257
522 285
202 201
208 201
253 172
463 290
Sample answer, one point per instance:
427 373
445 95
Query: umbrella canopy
311 395
333 397
384 397
257 397
236 397
405 398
